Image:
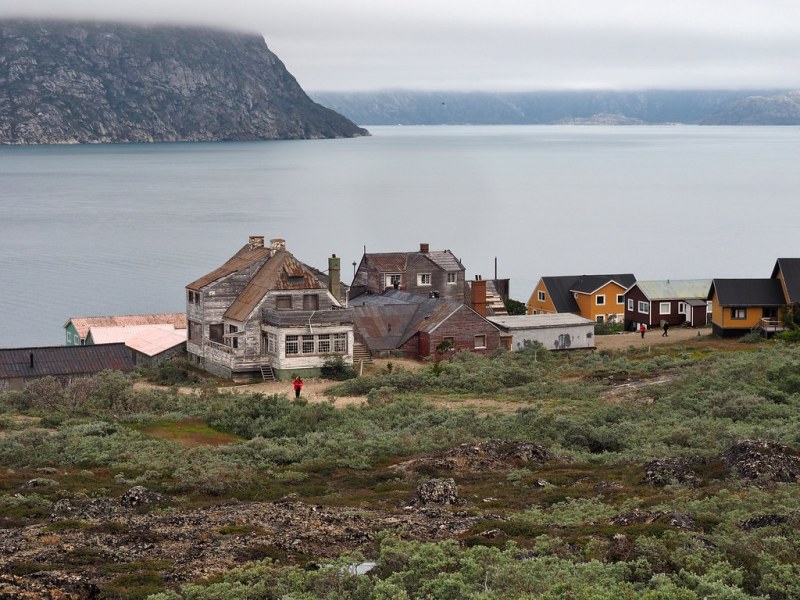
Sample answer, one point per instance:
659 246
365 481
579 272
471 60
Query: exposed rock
70 82
492 455
777 109
141 496
438 491
40 482
48 586
762 461
640 517
763 521
673 470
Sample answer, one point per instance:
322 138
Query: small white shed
561 331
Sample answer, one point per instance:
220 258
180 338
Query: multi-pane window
541 295
738 313
630 303
272 343
308 344
233 341
393 280
644 307
340 342
424 279
292 345
324 343
452 277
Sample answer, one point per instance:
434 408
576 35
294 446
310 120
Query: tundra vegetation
640 494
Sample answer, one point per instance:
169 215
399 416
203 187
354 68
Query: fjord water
104 229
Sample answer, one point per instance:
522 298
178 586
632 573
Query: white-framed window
393 280
681 308
600 299
308 344
452 277
709 307
630 304
480 341
340 342
738 312
272 343
324 343
620 298
423 279
644 307
665 308
542 296
600 318
292 345
69 337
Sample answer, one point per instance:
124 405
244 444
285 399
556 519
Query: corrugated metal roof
120 335
790 267
60 361
748 292
539 321
155 341
83 324
675 289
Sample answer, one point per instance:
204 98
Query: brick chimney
424 248
334 275
276 245
255 241
479 296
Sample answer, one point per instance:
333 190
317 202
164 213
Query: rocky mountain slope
69 82
712 107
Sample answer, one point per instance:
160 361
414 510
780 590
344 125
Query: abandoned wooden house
264 313
433 273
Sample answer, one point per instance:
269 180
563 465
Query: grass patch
190 433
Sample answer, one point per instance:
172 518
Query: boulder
438 491
141 496
762 461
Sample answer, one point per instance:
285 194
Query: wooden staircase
361 355
267 374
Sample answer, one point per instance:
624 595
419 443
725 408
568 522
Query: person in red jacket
298 385
642 329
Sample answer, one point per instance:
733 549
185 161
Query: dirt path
622 341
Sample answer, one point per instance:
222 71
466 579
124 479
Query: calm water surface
95 230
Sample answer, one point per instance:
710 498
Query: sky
497 45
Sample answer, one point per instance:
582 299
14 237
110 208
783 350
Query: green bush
336 369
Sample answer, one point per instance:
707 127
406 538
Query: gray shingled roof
748 292
790 267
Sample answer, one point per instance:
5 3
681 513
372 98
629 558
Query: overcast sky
494 44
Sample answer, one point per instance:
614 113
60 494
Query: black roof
747 292
561 288
64 360
790 268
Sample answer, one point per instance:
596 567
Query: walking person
642 329
665 325
298 385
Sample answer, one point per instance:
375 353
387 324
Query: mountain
395 107
71 82
778 109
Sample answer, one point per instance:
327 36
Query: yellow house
600 298
743 305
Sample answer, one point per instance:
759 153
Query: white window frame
272 343
292 345
542 296
307 345
423 279
597 300
452 277
665 311
478 344
388 281
630 304
644 307
340 343
681 308
324 343
621 299
69 337
709 306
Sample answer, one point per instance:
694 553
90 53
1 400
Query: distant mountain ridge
707 107
73 82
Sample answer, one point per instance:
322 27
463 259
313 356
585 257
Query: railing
768 325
